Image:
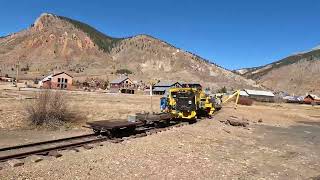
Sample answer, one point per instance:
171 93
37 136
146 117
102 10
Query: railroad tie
125 138
87 147
35 158
116 140
133 136
75 149
15 163
141 135
55 154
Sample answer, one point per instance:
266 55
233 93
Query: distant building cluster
268 96
124 84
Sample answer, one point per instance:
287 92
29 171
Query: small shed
293 99
311 99
260 95
122 85
60 80
6 79
161 87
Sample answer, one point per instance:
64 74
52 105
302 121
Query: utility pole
151 98
152 83
17 75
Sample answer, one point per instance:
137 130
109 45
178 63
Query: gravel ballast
208 149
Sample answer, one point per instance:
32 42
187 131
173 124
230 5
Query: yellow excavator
235 94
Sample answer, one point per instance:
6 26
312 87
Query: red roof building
60 80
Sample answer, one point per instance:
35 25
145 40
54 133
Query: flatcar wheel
131 129
192 121
157 124
107 133
96 131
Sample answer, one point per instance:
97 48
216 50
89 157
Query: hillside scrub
104 42
123 71
222 90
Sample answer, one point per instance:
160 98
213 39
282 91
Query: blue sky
233 34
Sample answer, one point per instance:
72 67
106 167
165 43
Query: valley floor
285 145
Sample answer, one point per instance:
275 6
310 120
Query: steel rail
47 146
45 142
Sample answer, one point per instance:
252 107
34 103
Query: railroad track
45 147
21 151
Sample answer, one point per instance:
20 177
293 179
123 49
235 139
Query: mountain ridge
56 43
294 74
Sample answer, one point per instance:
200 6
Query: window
62 83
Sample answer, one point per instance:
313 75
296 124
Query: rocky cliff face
59 43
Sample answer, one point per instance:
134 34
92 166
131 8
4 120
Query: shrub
222 90
245 101
27 68
48 109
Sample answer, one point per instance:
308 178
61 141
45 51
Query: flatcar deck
112 124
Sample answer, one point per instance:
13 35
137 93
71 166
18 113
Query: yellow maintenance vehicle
183 102
187 103
206 105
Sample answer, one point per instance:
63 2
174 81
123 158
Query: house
60 80
122 85
243 93
293 99
259 95
311 99
191 85
161 87
6 79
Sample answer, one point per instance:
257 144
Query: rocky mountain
56 43
294 74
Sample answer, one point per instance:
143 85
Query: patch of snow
264 68
42 15
316 48
242 71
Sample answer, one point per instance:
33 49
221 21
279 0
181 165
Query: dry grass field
281 142
86 106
